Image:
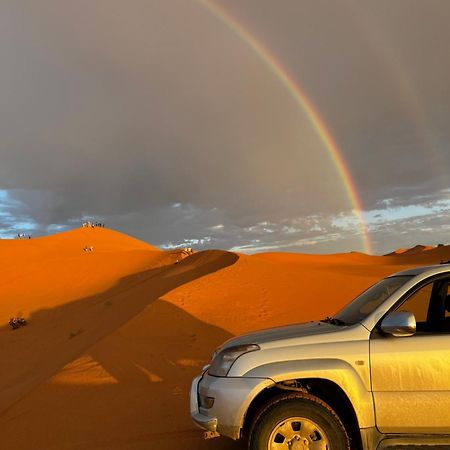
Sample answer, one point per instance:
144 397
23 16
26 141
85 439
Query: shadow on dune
124 388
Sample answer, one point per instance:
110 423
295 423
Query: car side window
431 307
418 304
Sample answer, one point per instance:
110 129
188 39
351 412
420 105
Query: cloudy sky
161 119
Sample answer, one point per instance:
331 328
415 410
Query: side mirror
399 323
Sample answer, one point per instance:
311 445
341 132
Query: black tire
295 405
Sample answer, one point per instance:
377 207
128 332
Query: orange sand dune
411 251
421 254
116 335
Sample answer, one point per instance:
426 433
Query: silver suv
377 375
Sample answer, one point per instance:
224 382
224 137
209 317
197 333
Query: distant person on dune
95 224
23 236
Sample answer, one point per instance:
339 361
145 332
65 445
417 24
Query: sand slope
115 336
411 251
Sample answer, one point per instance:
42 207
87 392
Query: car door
410 375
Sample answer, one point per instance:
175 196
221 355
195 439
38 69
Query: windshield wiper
334 321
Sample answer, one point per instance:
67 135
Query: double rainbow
299 96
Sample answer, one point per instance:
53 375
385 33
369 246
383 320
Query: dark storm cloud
157 118
377 71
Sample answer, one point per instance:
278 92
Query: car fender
335 370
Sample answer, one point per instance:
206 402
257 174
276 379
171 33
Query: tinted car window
369 300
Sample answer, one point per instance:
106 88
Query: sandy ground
116 335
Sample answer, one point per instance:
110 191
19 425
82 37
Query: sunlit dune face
85 371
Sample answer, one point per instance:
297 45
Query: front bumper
232 397
202 421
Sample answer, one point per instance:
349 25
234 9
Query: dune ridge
116 335
419 248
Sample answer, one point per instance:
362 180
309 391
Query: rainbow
306 106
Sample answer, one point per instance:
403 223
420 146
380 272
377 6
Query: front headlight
222 362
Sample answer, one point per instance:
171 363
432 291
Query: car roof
433 270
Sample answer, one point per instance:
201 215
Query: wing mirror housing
399 324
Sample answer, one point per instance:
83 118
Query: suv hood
281 333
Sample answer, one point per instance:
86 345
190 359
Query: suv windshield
369 300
